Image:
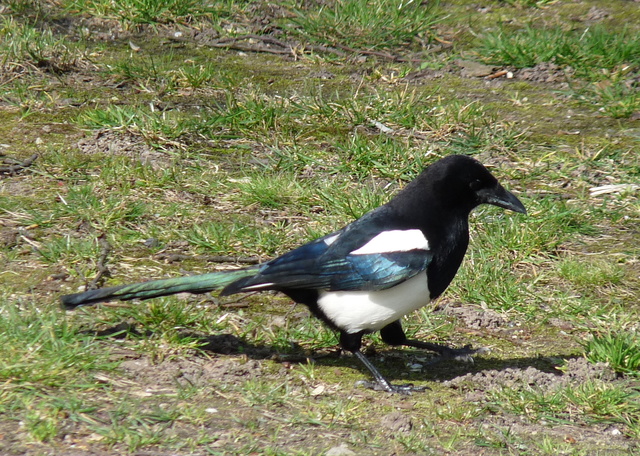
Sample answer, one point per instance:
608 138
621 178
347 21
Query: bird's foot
464 354
406 389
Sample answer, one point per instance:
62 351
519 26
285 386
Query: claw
406 389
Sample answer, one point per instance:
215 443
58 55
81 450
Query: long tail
155 288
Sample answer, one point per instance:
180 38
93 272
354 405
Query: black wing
329 264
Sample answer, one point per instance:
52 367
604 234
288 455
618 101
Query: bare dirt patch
475 317
196 372
578 370
121 143
546 72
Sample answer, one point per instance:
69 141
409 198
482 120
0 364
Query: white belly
354 311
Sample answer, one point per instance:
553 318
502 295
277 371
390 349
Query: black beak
500 197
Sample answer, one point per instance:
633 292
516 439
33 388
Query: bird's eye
475 185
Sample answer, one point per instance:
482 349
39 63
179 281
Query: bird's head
465 183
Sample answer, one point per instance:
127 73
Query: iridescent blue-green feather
146 290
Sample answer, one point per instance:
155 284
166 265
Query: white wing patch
259 286
394 241
331 239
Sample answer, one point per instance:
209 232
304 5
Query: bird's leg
381 382
393 334
352 342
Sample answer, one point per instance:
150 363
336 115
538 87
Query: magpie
366 276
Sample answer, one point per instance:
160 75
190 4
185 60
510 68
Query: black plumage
369 274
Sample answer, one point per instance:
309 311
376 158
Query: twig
384 55
498 74
249 48
291 48
320 48
15 166
251 36
382 127
103 270
172 257
235 305
613 188
233 43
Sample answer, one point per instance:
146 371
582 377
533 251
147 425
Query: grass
26 53
156 128
620 351
27 48
46 352
603 58
137 12
594 48
360 24
588 402
181 153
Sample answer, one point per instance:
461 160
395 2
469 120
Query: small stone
317 391
341 450
397 422
151 243
470 69
278 321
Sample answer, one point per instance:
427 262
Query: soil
475 317
122 143
578 371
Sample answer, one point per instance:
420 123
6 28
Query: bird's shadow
395 363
